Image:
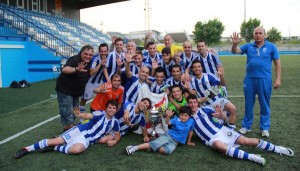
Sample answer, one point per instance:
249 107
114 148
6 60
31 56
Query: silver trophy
154 119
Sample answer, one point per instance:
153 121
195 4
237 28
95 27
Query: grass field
23 108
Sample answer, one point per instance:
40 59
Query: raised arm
71 70
84 116
235 41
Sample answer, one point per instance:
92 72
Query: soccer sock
265 145
237 153
38 145
62 148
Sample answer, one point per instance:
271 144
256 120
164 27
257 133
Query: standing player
151 55
168 43
226 140
111 66
97 76
77 139
167 61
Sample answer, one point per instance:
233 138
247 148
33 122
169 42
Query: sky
182 15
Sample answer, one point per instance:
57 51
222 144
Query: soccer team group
192 81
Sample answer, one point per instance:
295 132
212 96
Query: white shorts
221 101
74 136
227 136
88 91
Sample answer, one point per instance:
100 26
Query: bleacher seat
65 29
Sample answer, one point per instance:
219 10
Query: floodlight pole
245 10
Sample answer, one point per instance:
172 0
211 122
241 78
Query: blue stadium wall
25 60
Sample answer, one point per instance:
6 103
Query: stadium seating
74 33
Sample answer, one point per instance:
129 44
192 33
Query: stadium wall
25 60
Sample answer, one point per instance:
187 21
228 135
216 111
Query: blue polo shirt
180 130
259 60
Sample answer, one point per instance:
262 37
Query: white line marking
28 129
26 107
33 127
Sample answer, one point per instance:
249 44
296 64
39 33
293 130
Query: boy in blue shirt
181 132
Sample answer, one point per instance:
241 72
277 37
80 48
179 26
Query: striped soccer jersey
135 118
99 126
207 84
210 63
111 62
204 125
98 78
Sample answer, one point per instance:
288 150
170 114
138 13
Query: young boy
181 132
224 139
78 138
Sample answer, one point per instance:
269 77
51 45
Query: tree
247 29
210 32
273 35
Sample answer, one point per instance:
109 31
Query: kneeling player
77 139
224 139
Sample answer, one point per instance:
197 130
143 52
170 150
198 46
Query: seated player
181 132
224 139
158 84
176 99
205 86
77 139
134 114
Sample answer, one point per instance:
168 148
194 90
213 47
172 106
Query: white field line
33 127
50 119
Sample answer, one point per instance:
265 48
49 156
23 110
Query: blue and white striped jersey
154 88
210 63
98 78
99 126
131 89
111 62
148 59
167 67
186 62
135 118
172 82
205 85
204 125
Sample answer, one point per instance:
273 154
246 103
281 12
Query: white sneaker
286 151
265 133
258 159
244 130
130 150
139 130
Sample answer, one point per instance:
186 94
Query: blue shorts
165 141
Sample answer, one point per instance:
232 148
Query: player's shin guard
38 145
265 145
62 148
237 153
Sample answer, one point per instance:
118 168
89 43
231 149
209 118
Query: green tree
210 32
273 35
247 29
